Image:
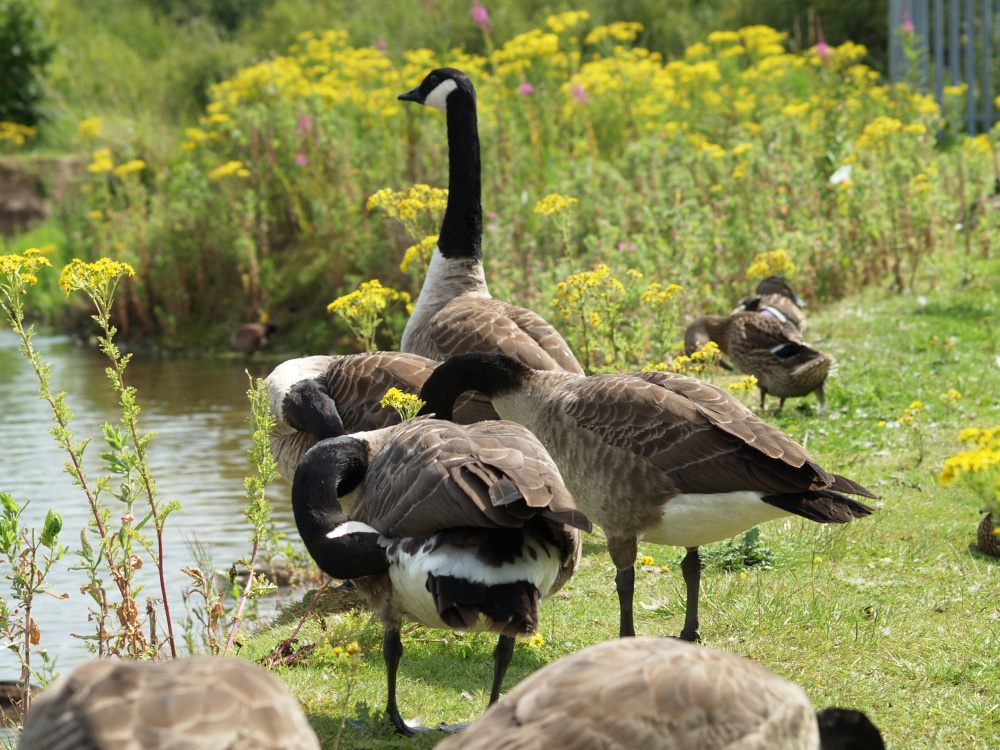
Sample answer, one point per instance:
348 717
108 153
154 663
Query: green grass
896 614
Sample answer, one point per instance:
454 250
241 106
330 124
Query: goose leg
623 552
392 651
502 655
691 568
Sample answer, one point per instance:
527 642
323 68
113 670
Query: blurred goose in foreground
252 337
345 394
774 296
455 313
198 703
769 349
461 528
661 693
655 456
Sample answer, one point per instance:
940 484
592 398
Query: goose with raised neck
455 312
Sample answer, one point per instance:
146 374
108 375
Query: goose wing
355 382
436 475
647 692
489 325
201 703
701 438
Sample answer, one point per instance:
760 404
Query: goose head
441 86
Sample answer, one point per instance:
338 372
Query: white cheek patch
438 98
351 527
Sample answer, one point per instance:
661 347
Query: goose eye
433 81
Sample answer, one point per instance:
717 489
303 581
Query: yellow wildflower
23 266
96 279
136 165
743 386
101 161
91 127
770 263
407 405
227 169
554 203
645 560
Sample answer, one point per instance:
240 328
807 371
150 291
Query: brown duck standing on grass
197 703
775 296
654 456
457 527
455 312
770 349
666 694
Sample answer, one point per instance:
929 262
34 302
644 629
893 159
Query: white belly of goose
408 573
692 520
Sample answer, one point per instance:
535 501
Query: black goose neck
462 228
329 469
490 374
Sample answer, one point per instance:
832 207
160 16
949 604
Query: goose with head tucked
769 348
655 456
345 395
666 694
455 312
456 527
197 703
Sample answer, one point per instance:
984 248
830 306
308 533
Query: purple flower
301 159
822 48
382 45
481 17
526 89
305 124
578 93
907 22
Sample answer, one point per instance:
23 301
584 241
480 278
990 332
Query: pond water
198 410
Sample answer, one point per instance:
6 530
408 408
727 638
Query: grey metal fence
959 42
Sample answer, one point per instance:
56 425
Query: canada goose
463 528
661 693
349 388
201 703
771 349
775 296
252 337
654 456
455 313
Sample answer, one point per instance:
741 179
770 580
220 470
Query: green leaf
51 528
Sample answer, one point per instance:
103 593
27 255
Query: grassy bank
896 614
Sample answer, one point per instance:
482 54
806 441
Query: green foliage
733 555
26 47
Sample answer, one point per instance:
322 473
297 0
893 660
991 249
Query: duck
769 348
455 312
252 337
774 296
459 527
201 702
656 456
662 693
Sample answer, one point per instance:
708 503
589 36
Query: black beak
413 95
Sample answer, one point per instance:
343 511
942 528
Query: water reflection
198 409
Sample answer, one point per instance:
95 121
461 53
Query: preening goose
666 694
771 349
463 528
455 313
345 394
655 456
198 703
775 296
